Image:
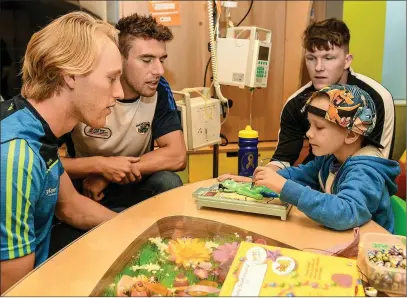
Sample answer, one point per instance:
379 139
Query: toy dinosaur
246 189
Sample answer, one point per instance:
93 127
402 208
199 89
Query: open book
261 270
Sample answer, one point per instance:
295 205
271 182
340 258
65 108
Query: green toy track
246 189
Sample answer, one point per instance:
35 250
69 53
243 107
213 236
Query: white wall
97 7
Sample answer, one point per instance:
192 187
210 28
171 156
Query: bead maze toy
240 196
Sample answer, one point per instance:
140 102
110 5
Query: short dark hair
325 34
136 26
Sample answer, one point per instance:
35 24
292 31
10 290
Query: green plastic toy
246 189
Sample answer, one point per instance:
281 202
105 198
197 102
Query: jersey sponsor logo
51 191
49 162
143 127
101 133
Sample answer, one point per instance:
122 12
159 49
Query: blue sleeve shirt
30 174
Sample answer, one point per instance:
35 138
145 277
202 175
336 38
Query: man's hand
93 187
234 177
119 168
266 176
77 210
136 172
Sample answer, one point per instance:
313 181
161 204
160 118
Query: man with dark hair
117 165
104 159
328 61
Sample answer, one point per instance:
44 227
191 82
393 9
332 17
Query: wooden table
77 269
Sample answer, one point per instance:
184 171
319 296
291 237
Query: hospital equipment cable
241 21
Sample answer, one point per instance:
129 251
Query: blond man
100 161
71 74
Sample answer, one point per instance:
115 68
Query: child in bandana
349 182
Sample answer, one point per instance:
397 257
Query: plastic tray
385 279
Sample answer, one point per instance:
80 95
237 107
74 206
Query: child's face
324 136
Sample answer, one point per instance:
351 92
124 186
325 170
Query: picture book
261 270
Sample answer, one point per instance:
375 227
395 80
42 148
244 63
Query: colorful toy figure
246 189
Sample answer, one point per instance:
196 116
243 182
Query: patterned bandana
349 107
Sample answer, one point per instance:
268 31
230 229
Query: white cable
227 113
213 54
237 37
206 96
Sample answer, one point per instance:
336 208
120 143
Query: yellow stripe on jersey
53 164
20 178
27 196
9 197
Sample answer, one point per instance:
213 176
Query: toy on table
246 189
240 196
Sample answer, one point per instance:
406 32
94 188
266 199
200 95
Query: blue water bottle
248 152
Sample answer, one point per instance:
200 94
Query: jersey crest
101 133
143 127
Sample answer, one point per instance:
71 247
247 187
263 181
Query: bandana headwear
349 107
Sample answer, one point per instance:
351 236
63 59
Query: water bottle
248 152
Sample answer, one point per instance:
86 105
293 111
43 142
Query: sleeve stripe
17 220
27 195
171 100
20 178
9 197
53 164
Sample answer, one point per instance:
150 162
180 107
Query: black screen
263 53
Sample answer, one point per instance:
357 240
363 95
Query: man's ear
70 81
351 137
348 60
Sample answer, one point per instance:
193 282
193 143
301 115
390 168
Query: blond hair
67 46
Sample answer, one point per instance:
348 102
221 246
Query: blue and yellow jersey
30 174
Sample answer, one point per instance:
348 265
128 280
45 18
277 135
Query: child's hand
267 177
234 177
